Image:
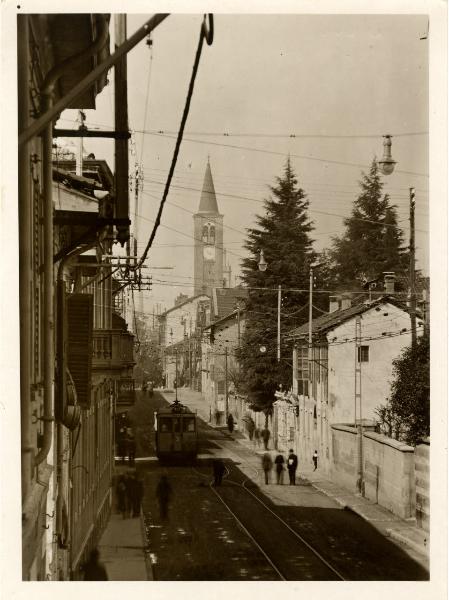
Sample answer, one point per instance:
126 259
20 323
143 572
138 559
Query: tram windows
177 425
189 424
165 424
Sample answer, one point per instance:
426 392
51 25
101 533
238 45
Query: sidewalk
405 533
122 549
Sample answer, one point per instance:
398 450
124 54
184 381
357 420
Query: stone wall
389 474
422 452
344 456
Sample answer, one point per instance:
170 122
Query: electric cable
204 35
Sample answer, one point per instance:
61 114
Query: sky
337 82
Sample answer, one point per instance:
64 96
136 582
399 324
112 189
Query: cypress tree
283 233
372 242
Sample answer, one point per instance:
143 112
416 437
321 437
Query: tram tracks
289 555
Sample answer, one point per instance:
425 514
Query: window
165 424
189 424
220 387
363 354
303 371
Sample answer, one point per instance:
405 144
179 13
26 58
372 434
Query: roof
191 299
331 320
224 300
208 200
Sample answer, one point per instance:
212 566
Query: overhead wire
204 35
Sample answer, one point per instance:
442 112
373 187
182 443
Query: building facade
352 351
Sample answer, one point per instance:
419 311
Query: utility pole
121 124
226 384
358 400
412 267
279 324
176 375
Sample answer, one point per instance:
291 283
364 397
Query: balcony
112 350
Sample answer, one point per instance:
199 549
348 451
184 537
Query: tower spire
208 200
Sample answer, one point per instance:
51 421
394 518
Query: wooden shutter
79 344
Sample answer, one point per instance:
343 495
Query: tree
148 358
407 413
372 242
283 233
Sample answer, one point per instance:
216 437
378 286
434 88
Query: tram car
176 433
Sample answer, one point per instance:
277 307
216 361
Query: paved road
227 534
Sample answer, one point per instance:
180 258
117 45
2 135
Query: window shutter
79 344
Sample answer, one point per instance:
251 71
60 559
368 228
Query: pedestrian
131 447
250 427
257 437
267 465
230 422
164 493
129 483
218 469
121 495
93 569
279 462
137 495
315 460
265 435
292 465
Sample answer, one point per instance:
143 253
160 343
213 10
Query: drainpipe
25 229
47 141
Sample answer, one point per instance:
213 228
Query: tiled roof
183 303
336 318
225 300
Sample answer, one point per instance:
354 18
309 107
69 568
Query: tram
176 433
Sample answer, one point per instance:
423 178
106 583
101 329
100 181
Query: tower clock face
209 252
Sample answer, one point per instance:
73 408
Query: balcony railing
112 349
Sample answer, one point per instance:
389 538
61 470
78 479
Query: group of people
129 494
279 461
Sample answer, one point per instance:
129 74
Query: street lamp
262 266
387 163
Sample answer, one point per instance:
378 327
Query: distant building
208 266
323 391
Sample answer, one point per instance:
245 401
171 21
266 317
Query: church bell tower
208 234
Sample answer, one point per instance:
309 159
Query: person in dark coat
164 493
218 469
315 460
279 463
230 423
121 495
131 446
267 465
93 569
135 485
292 465
265 435
257 437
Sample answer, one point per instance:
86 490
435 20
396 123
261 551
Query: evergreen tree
372 242
283 233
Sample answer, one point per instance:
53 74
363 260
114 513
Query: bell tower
208 234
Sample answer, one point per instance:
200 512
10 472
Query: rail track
289 555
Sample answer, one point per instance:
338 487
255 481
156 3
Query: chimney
389 279
334 304
345 302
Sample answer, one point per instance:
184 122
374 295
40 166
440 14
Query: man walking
219 469
265 435
292 465
164 494
279 462
267 465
